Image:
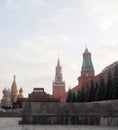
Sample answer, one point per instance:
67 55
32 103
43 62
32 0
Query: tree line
97 91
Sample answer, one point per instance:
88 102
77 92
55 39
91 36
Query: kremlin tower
58 84
87 73
87 70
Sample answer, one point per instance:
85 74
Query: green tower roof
87 62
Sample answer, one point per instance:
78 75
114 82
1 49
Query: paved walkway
12 124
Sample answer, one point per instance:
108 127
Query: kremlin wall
59 94
87 74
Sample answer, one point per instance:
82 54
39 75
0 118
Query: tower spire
58 73
58 83
14 78
58 63
14 90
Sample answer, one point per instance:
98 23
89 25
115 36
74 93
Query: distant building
10 96
58 85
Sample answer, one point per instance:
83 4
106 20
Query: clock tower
58 83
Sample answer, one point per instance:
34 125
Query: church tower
14 91
58 84
87 70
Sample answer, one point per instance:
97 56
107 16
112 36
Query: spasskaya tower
58 83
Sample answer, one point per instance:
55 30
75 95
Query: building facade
11 96
39 95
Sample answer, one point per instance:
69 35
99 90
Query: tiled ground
12 124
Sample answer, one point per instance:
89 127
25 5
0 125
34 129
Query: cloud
17 4
45 47
103 13
46 41
12 4
110 47
107 54
34 2
62 12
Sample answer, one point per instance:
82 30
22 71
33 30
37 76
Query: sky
34 33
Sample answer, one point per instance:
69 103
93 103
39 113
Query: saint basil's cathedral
11 96
59 93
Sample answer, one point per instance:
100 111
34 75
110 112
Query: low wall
70 120
93 113
11 113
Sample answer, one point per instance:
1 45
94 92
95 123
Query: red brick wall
85 81
58 91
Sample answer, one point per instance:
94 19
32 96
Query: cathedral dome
4 91
21 90
8 90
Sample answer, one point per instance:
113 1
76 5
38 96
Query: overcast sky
34 32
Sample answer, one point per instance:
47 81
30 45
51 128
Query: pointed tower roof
58 73
58 63
87 62
86 50
14 81
14 86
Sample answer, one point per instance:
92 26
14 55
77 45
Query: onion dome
9 90
20 93
4 91
20 90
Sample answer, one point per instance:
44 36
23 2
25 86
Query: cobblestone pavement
12 124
